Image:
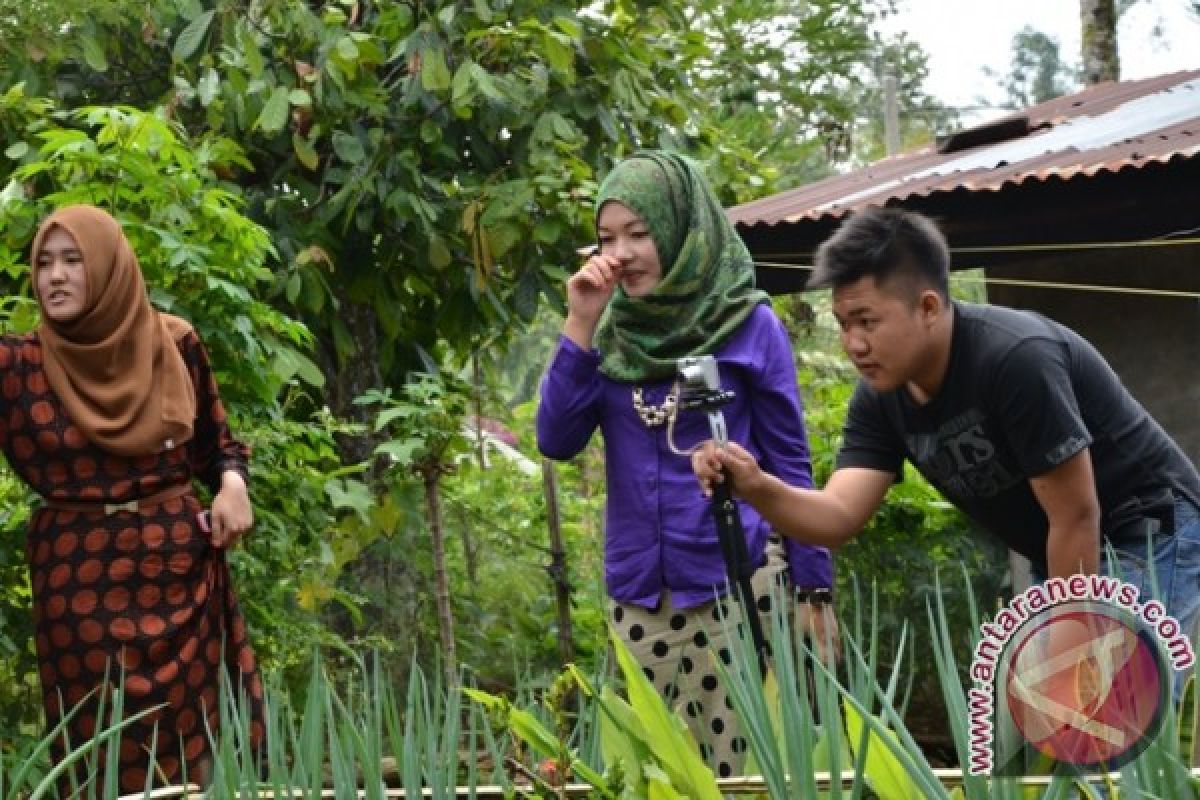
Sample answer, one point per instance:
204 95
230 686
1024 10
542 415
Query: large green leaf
621 740
887 776
460 87
289 363
275 113
306 154
439 253
435 75
664 732
93 53
191 37
208 86
658 785
348 147
533 732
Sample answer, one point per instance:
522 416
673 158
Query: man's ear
931 304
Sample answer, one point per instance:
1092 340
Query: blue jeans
1175 560
1176 566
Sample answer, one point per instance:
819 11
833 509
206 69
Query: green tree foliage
480 572
343 193
427 435
423 167
1038 71
794 88
71 50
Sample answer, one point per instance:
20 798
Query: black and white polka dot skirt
676 648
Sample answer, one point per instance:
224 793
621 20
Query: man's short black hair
886 244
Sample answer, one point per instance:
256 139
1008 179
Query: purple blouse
659 528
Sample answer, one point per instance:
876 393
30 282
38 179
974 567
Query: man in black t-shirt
1015 418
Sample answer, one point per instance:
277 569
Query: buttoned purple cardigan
659 527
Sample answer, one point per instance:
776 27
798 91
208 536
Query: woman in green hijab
671 278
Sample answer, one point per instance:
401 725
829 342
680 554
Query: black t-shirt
1022 394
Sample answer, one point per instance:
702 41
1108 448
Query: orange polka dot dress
143 594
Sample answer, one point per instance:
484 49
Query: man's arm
1067 493
827 517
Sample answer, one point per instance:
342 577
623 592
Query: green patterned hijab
707 289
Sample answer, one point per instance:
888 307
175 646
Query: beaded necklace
652 415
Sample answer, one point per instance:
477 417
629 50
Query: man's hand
711 464
819 624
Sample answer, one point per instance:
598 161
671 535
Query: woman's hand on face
231 512
589 289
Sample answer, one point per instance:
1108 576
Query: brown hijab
116 367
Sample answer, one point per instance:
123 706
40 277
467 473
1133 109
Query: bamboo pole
558 563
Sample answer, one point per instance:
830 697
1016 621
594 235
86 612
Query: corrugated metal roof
1108 127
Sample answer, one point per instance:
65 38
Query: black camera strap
702 391
737 565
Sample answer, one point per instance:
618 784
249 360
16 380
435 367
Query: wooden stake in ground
558 563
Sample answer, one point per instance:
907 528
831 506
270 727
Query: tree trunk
1099 42
558 564
345 382
431 473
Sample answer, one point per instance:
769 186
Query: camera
700 384
699 373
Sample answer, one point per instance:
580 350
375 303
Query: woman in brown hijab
109 410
